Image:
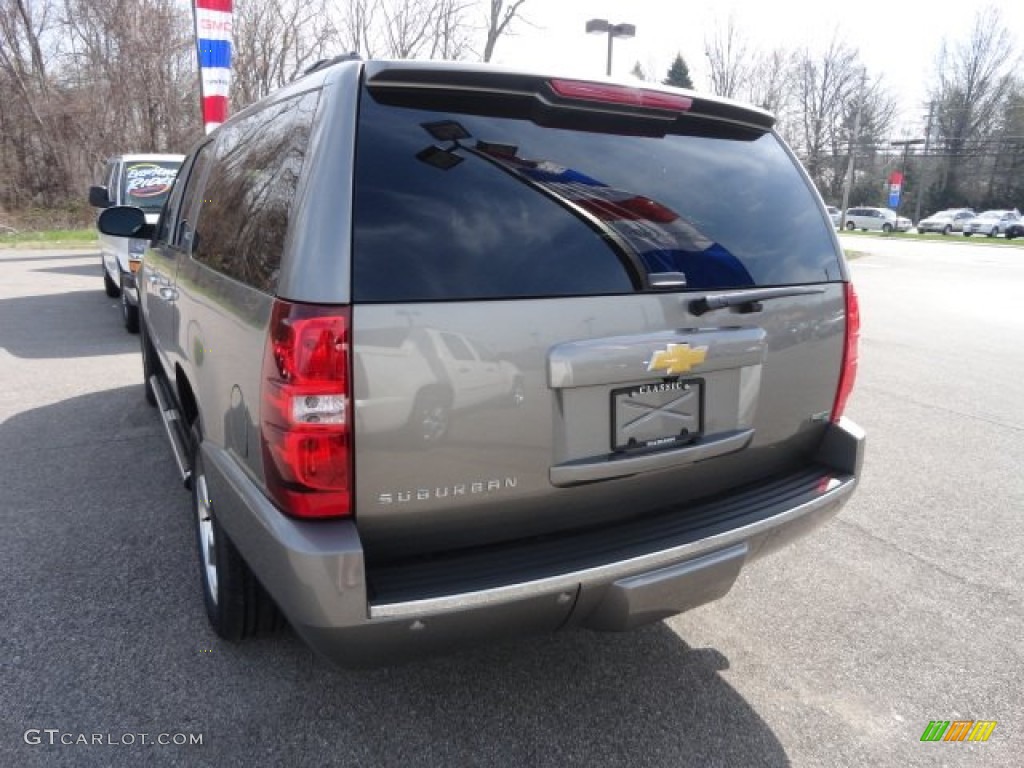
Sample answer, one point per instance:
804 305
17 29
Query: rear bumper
354 616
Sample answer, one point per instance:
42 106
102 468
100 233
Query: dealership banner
213 41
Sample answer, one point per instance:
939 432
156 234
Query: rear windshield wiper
748 300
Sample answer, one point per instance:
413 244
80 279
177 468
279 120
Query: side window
165 227
485 353
246 202
457 347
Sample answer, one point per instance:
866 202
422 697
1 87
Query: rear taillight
609 93
307 408
848 374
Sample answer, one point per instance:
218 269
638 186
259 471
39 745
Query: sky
898 39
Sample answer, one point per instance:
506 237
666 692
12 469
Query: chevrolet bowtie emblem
677 358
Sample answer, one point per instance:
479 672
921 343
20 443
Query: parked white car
878 219
991 223
835 214
944 222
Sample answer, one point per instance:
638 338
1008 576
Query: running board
175 427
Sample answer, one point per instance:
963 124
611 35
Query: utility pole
853 143
905 143
924 162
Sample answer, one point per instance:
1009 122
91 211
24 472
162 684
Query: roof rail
323 63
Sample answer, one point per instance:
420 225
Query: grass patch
956 237
851 254
49 237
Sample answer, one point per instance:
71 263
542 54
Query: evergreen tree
638 72
678 74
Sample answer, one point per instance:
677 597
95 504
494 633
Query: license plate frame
645 417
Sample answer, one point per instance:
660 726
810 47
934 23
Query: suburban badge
677 358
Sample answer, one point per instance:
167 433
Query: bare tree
407 26
450 39
824 83
739 70
973 78
728 59
275 40
770 81
357 29
129 93
30 112
502 14
409 29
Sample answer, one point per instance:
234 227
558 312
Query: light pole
924 164
906 144
601 26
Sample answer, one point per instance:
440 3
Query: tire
112 289
967 234
947 229
149 363
849 226
237 605
129 312
431 416
887 228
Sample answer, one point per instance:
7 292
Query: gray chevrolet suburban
448 352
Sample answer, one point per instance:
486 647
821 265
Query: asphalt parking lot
838 651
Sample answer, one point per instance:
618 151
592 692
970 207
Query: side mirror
125 221
99 198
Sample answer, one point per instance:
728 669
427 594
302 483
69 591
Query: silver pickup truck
449 352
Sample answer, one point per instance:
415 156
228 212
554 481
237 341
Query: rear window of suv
454 205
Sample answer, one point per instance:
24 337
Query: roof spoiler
552 92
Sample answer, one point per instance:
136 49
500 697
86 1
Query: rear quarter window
452 205
246 203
